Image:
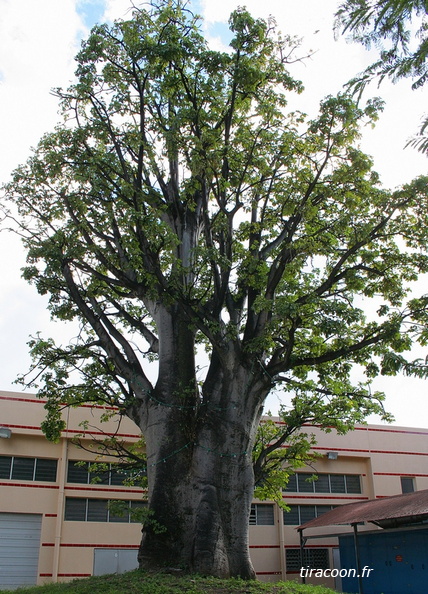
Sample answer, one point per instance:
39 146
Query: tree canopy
178 205
398 28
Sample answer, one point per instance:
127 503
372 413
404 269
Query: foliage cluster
398 29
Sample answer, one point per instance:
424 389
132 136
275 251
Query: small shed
393 560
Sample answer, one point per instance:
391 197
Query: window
299 514
322 484
312 558
292 484
23 469
261 514
75 509
45 470
353 484
97 510
5 465
136 506
303 482
79 472
307 513
337 483
407 484
28 469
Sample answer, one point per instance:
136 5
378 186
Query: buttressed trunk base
200 493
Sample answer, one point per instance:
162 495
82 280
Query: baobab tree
179 206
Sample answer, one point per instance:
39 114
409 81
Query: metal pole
302 544
357 559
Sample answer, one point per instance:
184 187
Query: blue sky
91 11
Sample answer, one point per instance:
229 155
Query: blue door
398 562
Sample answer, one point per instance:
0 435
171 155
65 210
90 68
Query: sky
38 41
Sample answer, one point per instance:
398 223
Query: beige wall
66 548
379 454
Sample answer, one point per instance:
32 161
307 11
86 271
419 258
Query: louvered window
312 558
261 514
299 514
28 469
79 509
303 482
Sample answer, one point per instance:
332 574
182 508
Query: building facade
56 524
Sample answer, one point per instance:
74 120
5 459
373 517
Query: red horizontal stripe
101 406
264 546
22 399
89 433
75 575
45 574
268 573
397 474
29 484
315 496
51 515
96 489
365 451
76 431
98 546
320 546
32 427
372 451
369 428
41 401
379 429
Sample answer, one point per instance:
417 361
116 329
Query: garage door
114 560
19 549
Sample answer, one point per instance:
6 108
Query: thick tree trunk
199 455
201 481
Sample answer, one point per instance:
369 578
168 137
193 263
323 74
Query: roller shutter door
19 549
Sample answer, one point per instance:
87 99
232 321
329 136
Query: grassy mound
138 582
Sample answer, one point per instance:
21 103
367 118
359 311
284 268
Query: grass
139 582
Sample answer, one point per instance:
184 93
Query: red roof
410 505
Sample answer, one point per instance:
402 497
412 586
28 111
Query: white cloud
119 9
38 41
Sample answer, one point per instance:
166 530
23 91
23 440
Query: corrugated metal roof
388 508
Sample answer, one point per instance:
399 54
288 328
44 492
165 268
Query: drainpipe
281 542
62 471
